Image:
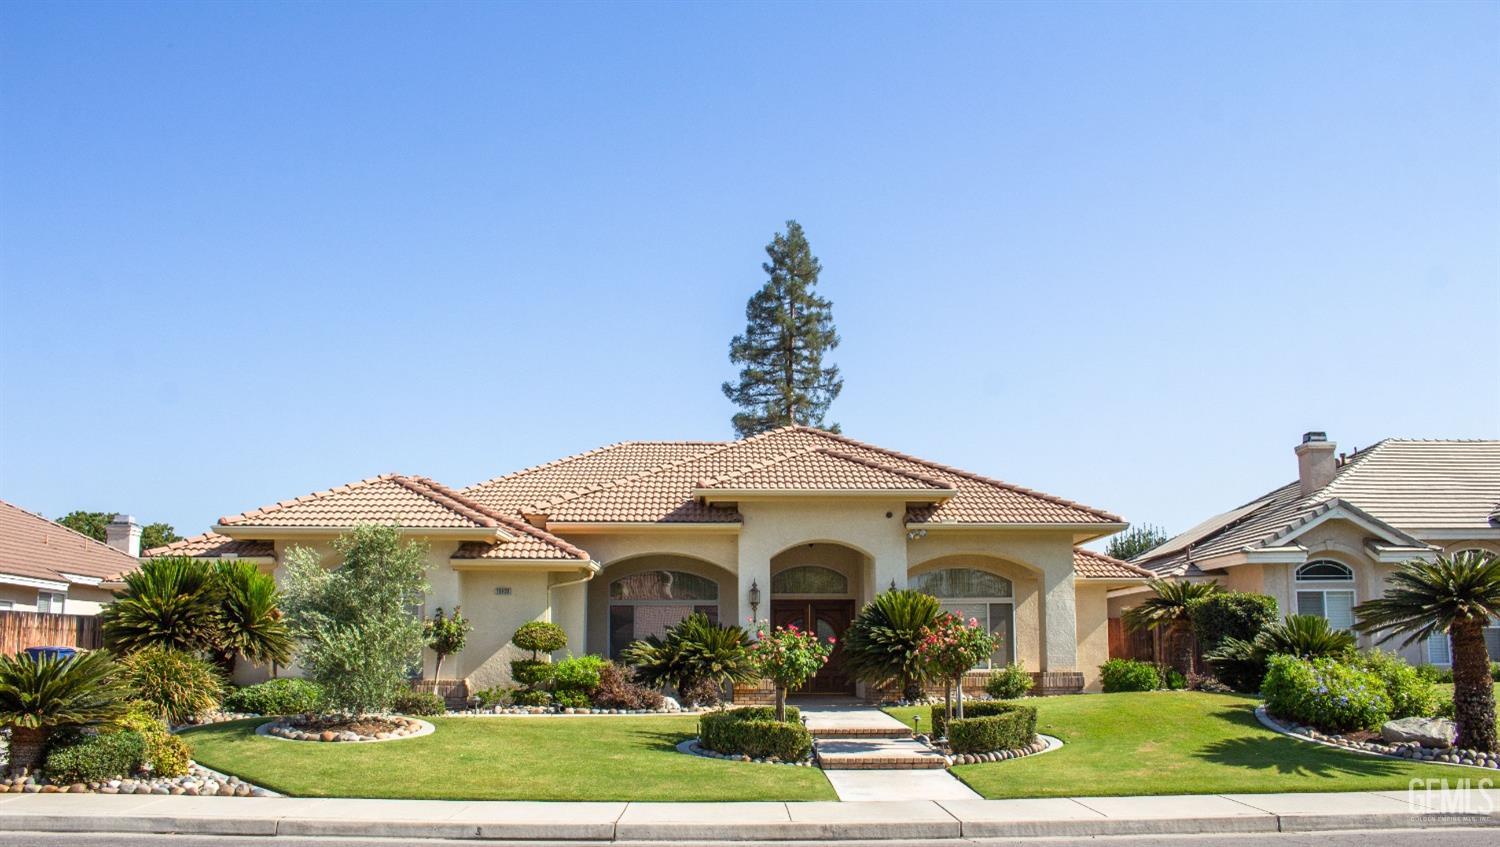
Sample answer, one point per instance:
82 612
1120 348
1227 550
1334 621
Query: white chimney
1316 463
124 534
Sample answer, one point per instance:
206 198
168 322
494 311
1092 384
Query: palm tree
169 602
38 695
1168 611
1241 664
695 656
884 640
250 622
1458 596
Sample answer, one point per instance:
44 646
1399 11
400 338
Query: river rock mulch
1410 750
1038 745
692 747
336 729
197 782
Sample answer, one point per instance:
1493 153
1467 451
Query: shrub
572 698
618 690
1230 614
166 753
1010 730
1410 694
540 637
700 692
975 709
532 673
1174 679
177 685
495 695
285 696
788 657
1325 693
1129 675
531 697
40 695
94 758
445 636
1008 683
418 704
578 673
1242 664
1435 674
360 641
697 656
756 733
1494 671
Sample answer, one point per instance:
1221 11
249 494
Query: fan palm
38 695
1168 610
1456 595
250 622
169 602
884 640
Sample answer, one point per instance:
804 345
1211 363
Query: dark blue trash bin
51 652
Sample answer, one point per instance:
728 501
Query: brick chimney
1316 462
124 534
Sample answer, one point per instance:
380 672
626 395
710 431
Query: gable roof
36 548
1397 486
665 493
1090 565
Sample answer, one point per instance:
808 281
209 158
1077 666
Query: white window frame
949 602
1324 586
1442 639
57 602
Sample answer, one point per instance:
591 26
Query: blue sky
1126 254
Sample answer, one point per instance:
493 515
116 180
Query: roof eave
909 495
246 532
482 564
586 527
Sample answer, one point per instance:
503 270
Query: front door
828 619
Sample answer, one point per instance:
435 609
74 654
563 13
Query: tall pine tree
788 330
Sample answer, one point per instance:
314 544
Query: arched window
810 579
1335 602
650 602
972 593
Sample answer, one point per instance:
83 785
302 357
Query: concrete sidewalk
817 821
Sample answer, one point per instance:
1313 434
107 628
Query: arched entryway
645 595
815 587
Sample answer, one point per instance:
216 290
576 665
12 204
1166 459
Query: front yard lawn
499 758
1177 742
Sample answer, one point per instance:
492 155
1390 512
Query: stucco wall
1093 632
79 599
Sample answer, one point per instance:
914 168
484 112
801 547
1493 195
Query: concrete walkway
854 737
414 820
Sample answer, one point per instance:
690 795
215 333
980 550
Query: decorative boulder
1428 732
669 704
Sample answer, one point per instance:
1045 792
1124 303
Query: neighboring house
46 567
1327 542
796 525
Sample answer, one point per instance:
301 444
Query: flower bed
340 729
671 709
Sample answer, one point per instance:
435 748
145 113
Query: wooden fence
19 630
1179 648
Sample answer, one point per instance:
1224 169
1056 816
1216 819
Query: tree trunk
1473 689
437 669
947 702
26 746
958 686
780 704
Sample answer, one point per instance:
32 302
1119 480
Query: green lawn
1177 742
614 758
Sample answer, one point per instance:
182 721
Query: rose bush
789 657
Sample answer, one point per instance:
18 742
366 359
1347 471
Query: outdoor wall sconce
754 600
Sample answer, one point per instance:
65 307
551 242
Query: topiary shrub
1325 693
287 696
177 685
1410 694
419 704
1008 683
979 709
1230 614
1129 675
540 637
756 733
531 672
94 758
617 690
1009 730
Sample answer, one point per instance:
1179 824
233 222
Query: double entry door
827 619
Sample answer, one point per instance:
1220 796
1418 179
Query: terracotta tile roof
664 493
32 546
825 469
1410 485
1090 565
509 493
389 499
213 545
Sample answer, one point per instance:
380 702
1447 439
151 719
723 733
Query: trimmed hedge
1011 730
980 709
756 733
95 758
285 696
1230 614
1129 675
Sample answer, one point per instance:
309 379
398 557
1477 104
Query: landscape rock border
1042 744
555 711
199 781
282 729
1409 751
693 748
